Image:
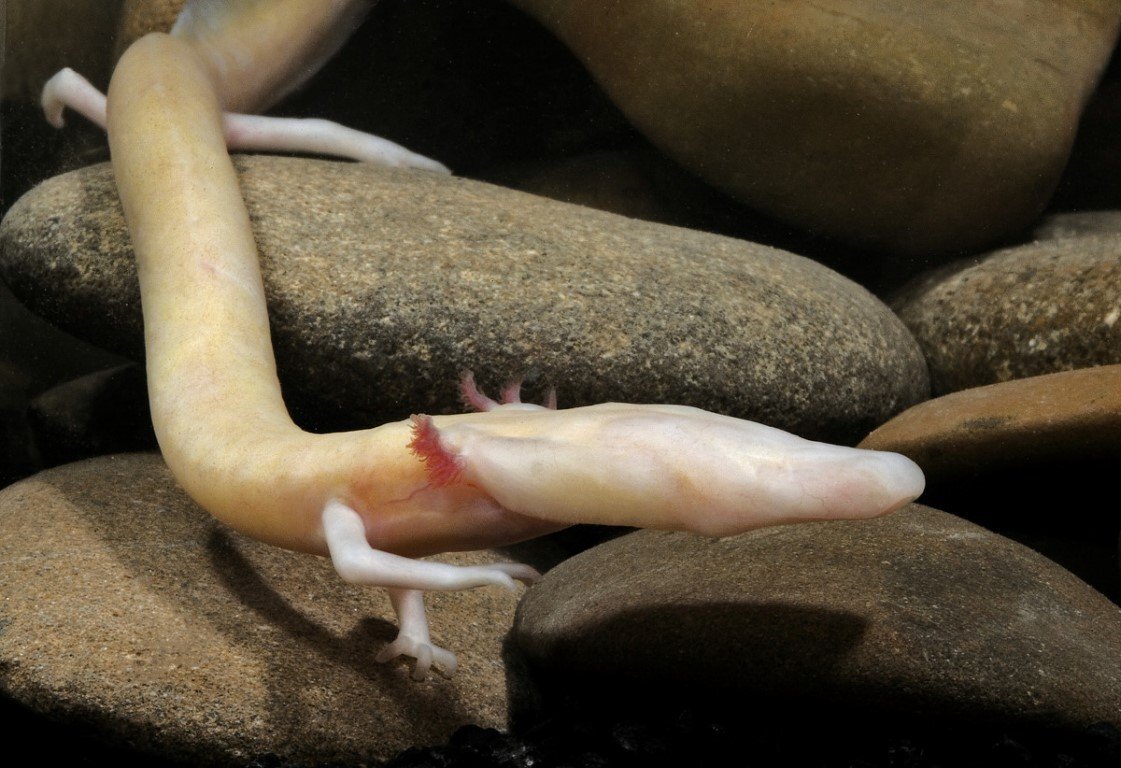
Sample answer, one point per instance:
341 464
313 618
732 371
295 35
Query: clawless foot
406 580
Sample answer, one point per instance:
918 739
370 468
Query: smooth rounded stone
1043 307
129 611
919 612
1067 416
384 285
1011 456
917 127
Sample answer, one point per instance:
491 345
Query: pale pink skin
659 466
374 499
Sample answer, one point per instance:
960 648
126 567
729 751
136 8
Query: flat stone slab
917 613
383 285
126 609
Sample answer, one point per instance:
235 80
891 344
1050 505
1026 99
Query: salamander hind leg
413 639
406 579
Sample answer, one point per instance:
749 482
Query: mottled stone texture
383 285
922 127
129 611
1047 306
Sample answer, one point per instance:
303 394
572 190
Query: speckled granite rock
918 612
1060 416
1047 306
383 285
947 122
128 610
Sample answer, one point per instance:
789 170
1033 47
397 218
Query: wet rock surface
1046 306
917 612
949 123
383 285
1068 416
130 613
1029 458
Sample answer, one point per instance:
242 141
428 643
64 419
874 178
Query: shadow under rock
654 659
1053 506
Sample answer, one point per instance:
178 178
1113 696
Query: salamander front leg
252 133
406 579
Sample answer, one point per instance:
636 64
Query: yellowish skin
216 402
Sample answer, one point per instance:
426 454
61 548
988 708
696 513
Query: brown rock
919 127
128 610
621 182
139 17
1048 306
383 285
918 612
93 415
1061 416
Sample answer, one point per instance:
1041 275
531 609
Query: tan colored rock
918 612
922 127
139 17
1058 417
384 285
1047 306
129 611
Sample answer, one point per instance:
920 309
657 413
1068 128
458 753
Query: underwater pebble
918 612
130 613
1047 306
913 127
1008 455
1067 416
384 284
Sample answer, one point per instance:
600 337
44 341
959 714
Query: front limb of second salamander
252 133
255 52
